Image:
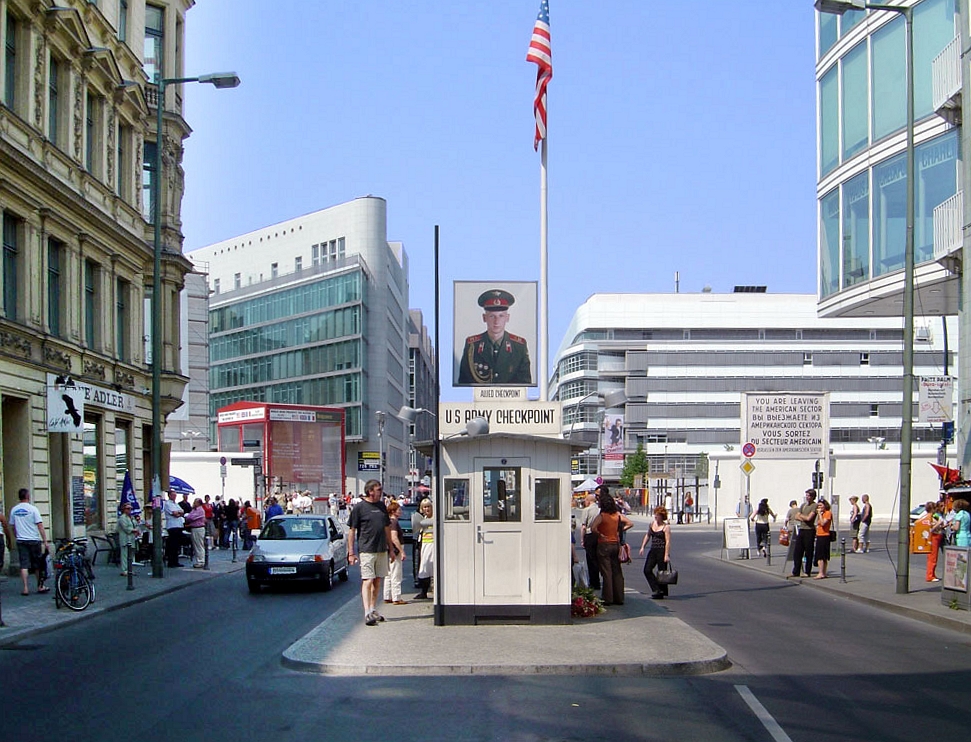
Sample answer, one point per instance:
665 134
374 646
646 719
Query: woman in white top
761 519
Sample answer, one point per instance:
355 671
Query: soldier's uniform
486 362
505 361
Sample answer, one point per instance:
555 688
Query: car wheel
254 586
327 579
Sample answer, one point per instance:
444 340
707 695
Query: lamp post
408 415
839 7
379 416
219 80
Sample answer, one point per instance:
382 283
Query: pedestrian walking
32 544
392 583
659 554
761 519
369 542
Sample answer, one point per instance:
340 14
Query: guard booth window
456 499
502 495
547 499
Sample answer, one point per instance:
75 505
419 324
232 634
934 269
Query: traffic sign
747 467
748 450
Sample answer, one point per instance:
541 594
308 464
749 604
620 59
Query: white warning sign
787 425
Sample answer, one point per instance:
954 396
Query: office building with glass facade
861 76
314 311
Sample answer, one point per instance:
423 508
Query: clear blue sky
681 138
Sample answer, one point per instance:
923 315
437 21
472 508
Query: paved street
205 662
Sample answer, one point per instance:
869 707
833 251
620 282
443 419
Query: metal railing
946 82
948 232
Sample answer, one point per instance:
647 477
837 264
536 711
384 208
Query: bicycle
73 576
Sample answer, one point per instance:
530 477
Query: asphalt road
204 664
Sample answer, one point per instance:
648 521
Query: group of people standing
948 523
811 529
602 529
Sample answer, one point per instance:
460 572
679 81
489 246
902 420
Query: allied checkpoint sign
787 425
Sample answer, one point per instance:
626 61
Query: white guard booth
504 528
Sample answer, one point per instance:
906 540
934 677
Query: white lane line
770 724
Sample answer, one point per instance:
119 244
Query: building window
154 42
298 264
856 114
90 303
829 247
856 230
874 410
54 84
315 254
122 20
340 247
55 267
148 183
215 285
11 259
864 359
274 269
124 162
807 359
237 280
686 335
122 298
829 102
11 62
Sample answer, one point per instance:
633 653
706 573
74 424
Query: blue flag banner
128 495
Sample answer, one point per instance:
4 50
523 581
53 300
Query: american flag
541 54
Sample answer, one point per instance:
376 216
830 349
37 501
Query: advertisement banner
613 438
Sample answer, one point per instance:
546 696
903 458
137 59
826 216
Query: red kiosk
301 446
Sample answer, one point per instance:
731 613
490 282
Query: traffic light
817 480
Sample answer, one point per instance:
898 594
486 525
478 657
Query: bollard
206 542
2 624
843 559
128 567
768 549
235 539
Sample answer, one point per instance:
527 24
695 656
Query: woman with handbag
824 526
659 554
609 525
761 519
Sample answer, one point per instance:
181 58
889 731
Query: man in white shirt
28 526
174 523
588 539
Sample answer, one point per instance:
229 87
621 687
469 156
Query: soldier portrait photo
495 355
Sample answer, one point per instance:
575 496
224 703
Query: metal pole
128 567
157 339
906 427
438 497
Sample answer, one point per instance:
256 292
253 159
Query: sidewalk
26 616
870 579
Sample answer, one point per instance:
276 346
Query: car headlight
311 558
255 558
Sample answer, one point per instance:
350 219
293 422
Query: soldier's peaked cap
496 300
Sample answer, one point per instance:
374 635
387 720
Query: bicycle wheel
57 593
74 589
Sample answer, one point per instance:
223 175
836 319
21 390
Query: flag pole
544 331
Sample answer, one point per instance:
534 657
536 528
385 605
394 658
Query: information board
787 425
77 500
736 533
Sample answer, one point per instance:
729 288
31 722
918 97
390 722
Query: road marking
770 724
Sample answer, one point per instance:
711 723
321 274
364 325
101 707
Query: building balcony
946 81
948 232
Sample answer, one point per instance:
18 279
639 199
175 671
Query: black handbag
668 575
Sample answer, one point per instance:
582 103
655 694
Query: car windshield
294 529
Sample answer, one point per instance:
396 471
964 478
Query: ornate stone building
77 142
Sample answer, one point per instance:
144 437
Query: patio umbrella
180 487
588 485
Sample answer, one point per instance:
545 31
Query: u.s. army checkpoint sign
787 425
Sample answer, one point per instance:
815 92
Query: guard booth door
502 513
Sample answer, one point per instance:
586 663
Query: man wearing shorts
28 527
369 542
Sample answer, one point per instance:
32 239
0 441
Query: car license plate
283 570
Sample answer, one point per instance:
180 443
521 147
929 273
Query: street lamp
379 417
408 415
219 80
838 7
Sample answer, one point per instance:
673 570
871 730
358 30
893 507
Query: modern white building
314 310
685 360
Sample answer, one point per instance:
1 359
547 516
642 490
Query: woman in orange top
608 527
824 524
251 520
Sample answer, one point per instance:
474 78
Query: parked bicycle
73 575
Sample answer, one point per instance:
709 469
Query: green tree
701 466
634 464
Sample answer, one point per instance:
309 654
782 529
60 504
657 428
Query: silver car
298 548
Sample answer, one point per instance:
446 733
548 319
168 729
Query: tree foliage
634 464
